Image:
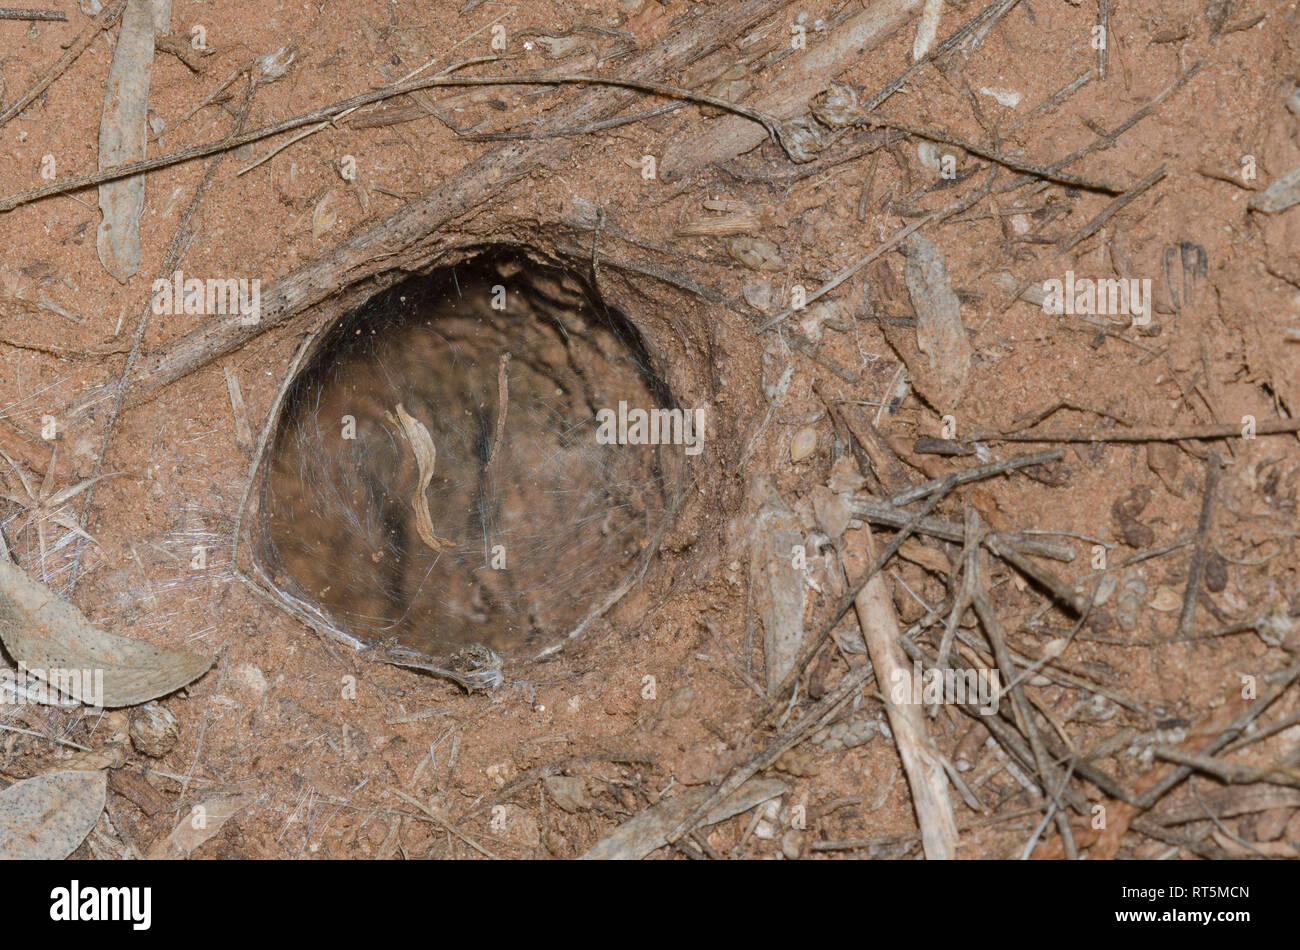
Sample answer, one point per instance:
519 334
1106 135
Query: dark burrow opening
532 521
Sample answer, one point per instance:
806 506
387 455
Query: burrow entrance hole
532 526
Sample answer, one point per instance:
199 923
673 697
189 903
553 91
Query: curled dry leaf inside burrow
49 635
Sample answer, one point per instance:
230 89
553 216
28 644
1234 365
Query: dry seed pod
801 138
837 106
755 253
153 729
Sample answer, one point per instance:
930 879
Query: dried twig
54 15
818 715
1234 729
1202 547
976 473
104 21
1111 210
850 600
921 760
335 110
171 260
1149 434
947 211
1237 773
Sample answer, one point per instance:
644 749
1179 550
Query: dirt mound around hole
532 521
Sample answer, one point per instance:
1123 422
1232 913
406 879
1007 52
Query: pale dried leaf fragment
47 817
200 825
123 133
778 586
569 792
648 831
426 455
46 633
927 29
755 253
323 217
940 334
1163 458
1280 195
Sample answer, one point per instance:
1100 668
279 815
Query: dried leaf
122 136
426 455
1280 195
45 633
47 817
648 831
200 825
1163 458
778 586
569 792
323 216
940 334
926 29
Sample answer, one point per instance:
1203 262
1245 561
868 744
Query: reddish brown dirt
322 742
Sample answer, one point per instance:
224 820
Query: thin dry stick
849 600
989 15
894 240
346 112
444 824
175 251
1224 431
87 36
1202 546
1111 209
1232 772
1234 729
1054 99
819 714
921 760
55 15
1046 173
886 515
976 473
993 627
333 111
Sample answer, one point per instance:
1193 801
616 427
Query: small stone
766 827
153 729
791 844
1166 600
1216 573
